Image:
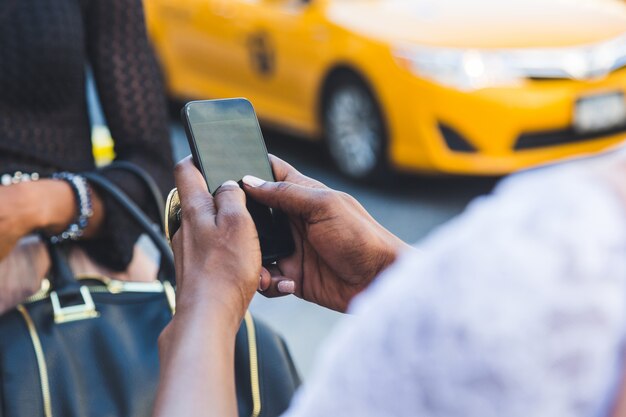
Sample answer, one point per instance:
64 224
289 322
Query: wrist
39 205
400 247
55 205
214 312
196 322
392 249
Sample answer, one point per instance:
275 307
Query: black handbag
87 346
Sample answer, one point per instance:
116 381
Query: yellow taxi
449 86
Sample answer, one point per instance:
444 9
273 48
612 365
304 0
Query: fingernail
287 287
252 181
230 182
261 289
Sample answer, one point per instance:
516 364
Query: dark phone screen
229 145
228 141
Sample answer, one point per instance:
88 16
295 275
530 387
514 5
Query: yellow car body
464 87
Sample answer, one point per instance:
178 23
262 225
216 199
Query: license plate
599 113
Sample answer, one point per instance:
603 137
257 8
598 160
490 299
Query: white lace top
517 308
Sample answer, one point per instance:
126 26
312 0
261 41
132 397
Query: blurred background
415 107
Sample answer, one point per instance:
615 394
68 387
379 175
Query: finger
283 171
264 280
293 199
275 284
192 188
280 287
230 200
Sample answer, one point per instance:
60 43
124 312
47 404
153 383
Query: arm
218 262
132 97
197 366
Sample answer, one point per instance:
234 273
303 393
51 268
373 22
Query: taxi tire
377 169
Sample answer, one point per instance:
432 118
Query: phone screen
227 144
228 140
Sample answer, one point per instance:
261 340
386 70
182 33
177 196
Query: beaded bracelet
18 177
82 192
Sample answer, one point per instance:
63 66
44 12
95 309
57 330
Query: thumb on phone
293 199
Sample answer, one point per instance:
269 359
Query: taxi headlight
460 69
471 69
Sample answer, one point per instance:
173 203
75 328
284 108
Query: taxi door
205 51
222 29
285 44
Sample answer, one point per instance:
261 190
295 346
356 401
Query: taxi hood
482 23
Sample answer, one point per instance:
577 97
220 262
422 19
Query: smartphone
226 144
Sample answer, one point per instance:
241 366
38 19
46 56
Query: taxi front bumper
495 131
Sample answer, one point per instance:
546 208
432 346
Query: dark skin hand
217 238
340 248
339 251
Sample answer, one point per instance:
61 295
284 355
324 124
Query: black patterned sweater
45 47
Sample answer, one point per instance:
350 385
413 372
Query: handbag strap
62 278
104 185
156 195
148 181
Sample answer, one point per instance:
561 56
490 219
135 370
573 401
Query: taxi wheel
354 129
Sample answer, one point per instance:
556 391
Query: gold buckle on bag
84 311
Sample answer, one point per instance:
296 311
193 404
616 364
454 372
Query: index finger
192 188
283 171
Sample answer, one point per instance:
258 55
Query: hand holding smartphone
226 144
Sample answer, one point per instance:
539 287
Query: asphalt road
410 206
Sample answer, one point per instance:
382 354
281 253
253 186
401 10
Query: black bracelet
84 206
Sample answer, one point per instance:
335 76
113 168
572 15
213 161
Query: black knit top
45 48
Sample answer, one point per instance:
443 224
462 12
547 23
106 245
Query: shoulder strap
148 181
147 226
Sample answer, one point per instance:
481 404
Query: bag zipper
112 286
41 361
41 294
254 365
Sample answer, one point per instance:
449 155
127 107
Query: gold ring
172 215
